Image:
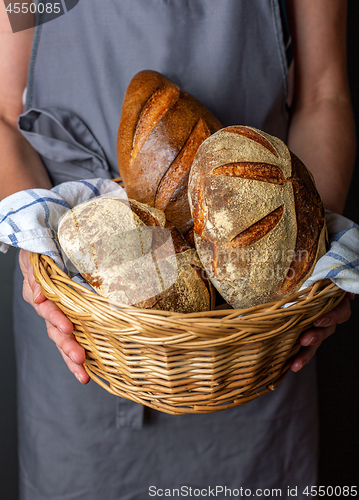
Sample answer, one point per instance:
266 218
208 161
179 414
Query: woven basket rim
299 304
291 299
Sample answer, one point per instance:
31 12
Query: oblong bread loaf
160 130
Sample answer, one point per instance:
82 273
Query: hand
59 327
322 328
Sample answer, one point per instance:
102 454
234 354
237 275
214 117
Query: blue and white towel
29 220
341 262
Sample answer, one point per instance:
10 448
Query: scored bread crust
161 128
114 245
259 220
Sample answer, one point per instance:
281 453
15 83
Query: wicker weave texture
185 363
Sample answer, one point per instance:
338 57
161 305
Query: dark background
337 359
338 366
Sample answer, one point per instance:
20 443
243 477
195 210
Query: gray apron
79 442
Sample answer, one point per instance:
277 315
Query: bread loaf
160 130
131 255
258 219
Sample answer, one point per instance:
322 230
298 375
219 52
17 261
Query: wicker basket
185 363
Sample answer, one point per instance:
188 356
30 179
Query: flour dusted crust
160 130
259 223
129 253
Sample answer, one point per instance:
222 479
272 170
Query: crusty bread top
258 218
160 130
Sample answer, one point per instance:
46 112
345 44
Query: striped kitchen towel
29 219
341 262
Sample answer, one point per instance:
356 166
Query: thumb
28 273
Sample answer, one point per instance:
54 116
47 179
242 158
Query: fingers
67 343
59 327
33 295
336 316
310 341
323 327
303 358
78 370
53 315
72 353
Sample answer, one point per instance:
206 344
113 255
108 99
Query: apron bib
229 54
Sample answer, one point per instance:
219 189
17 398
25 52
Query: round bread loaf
259 224
131 255
160 130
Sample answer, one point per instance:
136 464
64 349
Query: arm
322 131
22 168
